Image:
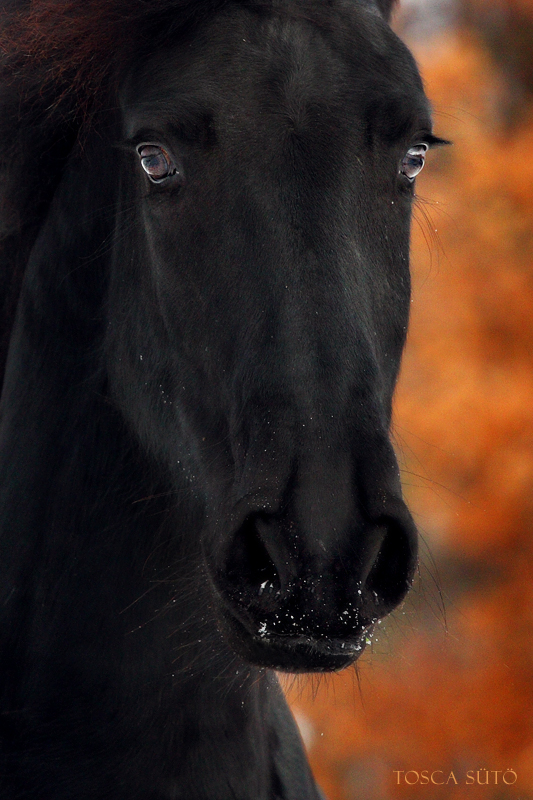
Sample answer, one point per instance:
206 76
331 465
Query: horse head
267 170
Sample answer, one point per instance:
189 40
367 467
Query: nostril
250 570
275 582
392 572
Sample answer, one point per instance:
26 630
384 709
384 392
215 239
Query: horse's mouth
293 654
304 654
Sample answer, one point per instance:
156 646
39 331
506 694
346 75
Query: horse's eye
156 162
413 161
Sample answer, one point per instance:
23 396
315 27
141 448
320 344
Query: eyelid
156 144
145 137
428 138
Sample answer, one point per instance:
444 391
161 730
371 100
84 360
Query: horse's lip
293 654
325 646
315 655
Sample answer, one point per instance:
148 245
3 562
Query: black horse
206 213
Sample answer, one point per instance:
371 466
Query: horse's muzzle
303 598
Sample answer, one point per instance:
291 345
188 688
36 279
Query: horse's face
262 275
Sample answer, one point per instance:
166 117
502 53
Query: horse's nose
331 561
270 571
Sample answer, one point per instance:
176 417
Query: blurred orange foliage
453 690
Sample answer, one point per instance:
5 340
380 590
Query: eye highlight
413 161
156 162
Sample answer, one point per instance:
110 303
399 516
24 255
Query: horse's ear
386 6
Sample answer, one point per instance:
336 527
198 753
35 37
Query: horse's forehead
259 58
